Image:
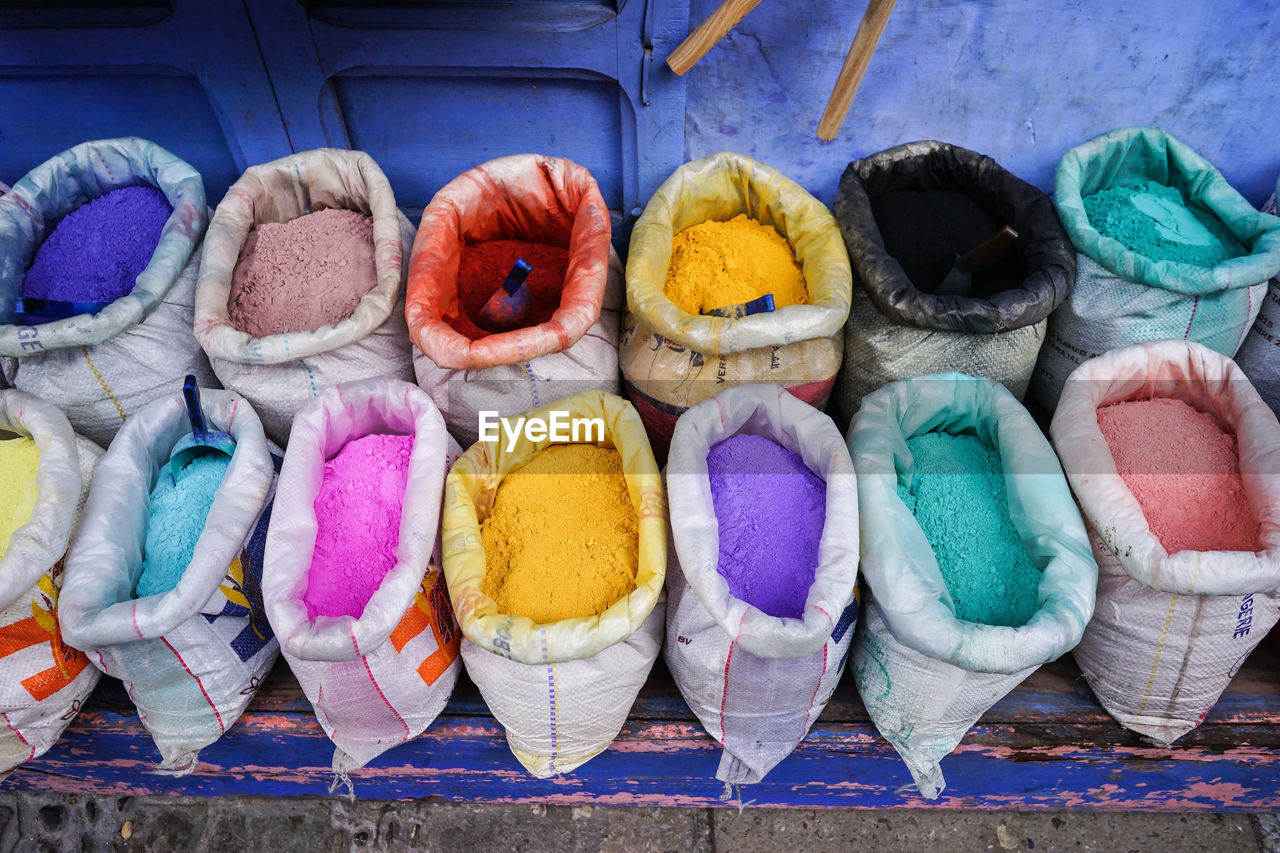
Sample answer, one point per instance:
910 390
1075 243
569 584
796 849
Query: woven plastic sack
1259 355
1121 297
43 681
521 197
562 690
896 329
757 682
279 374
99 368
924 675
671 359
378 680
191 658
1170 630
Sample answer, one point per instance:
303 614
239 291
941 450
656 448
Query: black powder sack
924 230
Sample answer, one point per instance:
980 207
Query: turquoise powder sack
958 497
1155 220
178 512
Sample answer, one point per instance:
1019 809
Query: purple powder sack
97 251
770 508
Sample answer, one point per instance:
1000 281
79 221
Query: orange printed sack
43 681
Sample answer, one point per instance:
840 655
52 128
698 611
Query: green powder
1157 221
960 502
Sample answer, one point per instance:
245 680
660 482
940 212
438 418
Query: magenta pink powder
358 524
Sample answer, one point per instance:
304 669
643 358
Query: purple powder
98 250
770 508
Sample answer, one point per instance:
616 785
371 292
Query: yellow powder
19 459
562 540
717 264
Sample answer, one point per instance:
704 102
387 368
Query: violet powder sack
100 368
757 680
770 510
98 251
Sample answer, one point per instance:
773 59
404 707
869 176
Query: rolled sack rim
773 412
766 195
898 562
337 416
1048 251
1208 381
475 478
1151 153
460 211
22 231
328 170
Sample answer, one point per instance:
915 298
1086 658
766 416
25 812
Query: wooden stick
697 43
855 65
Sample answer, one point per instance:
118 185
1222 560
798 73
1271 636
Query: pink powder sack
299 275
357 524
1185 473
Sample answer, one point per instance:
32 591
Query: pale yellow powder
562 540
19 459
718 264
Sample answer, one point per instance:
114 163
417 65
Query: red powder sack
484 266
1184 471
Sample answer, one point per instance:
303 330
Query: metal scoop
510 304
202 441
959 282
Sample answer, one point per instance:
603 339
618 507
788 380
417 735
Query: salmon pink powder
1184 471
357 524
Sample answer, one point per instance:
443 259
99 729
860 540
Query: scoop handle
191 393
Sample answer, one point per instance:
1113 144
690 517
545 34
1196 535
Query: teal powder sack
958 497
178 512
1157 221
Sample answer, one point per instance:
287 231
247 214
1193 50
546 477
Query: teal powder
178 513
1157 221
958 497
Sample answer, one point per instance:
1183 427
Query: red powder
1184 471
484 266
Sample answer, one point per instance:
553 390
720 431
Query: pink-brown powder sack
1184 471
300 275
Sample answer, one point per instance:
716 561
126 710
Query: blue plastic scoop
202 441
763 305
509 306
31 311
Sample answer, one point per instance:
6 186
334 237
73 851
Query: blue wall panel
1022 81
425 130
175 113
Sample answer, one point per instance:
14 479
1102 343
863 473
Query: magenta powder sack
380 677
758 681
191 658
99 368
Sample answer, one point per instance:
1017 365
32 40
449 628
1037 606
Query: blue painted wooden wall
430 89
1021 80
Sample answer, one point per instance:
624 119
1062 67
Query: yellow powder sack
19 459
562 540
717 264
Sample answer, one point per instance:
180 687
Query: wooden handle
710 31
855 65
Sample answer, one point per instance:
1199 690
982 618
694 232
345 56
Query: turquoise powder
1156 221
958 497
178 513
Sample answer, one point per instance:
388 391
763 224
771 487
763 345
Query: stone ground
52 822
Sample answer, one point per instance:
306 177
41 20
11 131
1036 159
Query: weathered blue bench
1046 746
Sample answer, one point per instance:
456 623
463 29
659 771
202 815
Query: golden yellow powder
717 264
563 539
19 459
